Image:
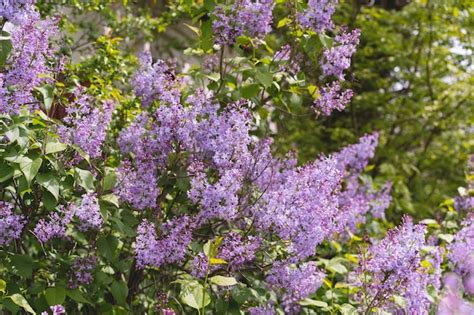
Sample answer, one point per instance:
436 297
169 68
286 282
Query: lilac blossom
236 251
461 250
218 200
338 57
17 11
56 310
246 17
29 63
156 81
88 213
168 311
465 203
303 207
86 123
332 98
317 16
354 158
296 282
200 265
138 186
54 226
262 310
452 301
381 201
11 224
81 271
171 247
392 266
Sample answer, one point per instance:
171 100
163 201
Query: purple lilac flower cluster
169 248
156 81
318 16
55 310
54 226
392 266
17 11
297 282
81 271
245 17
86 123
452 301
88 213
30 62
138 186
358 198
302 206
11 224
465 203
197 129
236 251
354 158
338 58
331 98
262 310
461 251
200 265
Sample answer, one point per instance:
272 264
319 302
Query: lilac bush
159 189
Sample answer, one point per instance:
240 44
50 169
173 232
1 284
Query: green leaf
5 47
49 182
217 261
49 201
107 246
347 309
30 168
110 179
53 147
326 41
243 40
249 91
112 199
55 295
311 302
223 281
6 172
19 300
119 291
24 265
336 267
448 238
265 78
77 296
85 179
430 222
283 22
194 29
47 91
82 153
214 77
193 294
3 286
206 40
12 134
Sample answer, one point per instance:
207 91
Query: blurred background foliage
412 76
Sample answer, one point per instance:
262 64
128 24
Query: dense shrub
130 186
